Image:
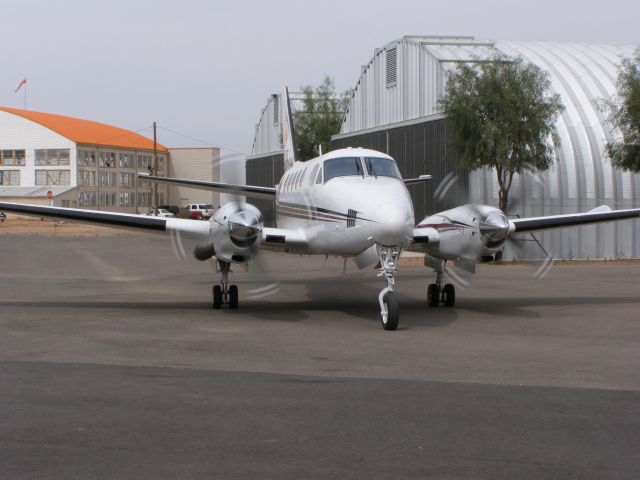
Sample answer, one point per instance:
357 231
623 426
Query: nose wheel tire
391 311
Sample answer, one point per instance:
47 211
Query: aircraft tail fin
288 131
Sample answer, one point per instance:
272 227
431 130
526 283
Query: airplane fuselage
343 204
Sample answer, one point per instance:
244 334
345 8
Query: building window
276 109
126 160
53 177
86 178
161 163
144 199
125 199
144 162
392 67
126 180
86 199
12 158
9 178
107 179
86 158
52 157
107 199
107 159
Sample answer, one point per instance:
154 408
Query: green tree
320 117
624 113
501 114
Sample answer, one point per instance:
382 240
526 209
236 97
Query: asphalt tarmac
113 365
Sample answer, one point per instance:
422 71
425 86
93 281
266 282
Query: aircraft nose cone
393 225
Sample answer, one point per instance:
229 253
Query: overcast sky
205 68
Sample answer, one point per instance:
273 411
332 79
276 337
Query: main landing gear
440 292
224 294
389 307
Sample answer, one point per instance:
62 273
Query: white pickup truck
199 211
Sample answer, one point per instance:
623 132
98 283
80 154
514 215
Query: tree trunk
503 196
504 181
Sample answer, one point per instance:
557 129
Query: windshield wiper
372 169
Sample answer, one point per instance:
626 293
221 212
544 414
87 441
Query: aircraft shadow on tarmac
414 311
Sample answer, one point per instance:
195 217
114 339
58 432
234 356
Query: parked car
199 211
161 213
172 208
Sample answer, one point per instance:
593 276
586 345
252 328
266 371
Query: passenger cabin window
342 167
382 167
312 176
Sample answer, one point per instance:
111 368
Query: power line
204 142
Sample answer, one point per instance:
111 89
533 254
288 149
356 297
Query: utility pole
155 170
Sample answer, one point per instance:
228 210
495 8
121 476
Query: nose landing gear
224 294
389 306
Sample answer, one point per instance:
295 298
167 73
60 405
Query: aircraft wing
597 215
275 239
247 190
112 219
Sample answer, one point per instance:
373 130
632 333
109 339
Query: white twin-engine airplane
350 202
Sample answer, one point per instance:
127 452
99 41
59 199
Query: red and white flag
22 82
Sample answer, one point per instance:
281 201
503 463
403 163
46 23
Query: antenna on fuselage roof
288 132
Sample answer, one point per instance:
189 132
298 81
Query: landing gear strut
224 294
389 307
441 292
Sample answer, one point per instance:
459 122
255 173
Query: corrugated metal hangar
265 165
394 108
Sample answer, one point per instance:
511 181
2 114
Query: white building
84 164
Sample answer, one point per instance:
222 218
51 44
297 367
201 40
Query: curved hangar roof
87 132
403 81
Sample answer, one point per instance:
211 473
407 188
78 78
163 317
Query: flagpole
25 95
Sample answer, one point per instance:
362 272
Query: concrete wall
194 164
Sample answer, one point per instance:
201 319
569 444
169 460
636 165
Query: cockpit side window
382 167
342 167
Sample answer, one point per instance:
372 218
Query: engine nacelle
475 231
236 232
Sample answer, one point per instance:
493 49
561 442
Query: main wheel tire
433 295
217 297
233 296
449 295
393 311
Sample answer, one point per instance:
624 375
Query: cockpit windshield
342 167
382 167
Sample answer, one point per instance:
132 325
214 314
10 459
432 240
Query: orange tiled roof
86 131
